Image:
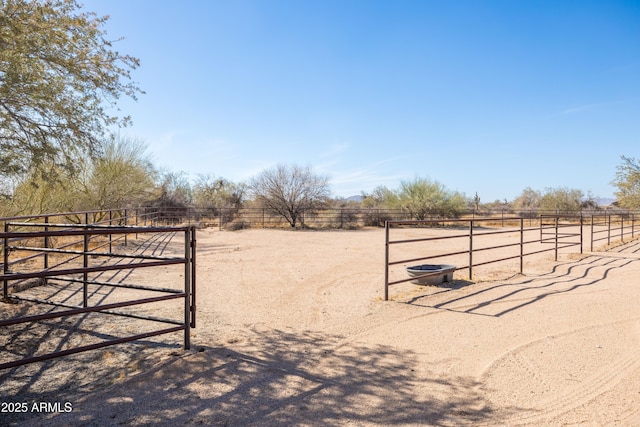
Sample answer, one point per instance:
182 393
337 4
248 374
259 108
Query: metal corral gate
560 239
611 226
80 251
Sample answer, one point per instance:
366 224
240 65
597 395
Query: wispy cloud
335 150
248 171
164 141
577 109
331 157
364 178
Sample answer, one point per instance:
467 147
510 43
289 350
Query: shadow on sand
499 299
283 378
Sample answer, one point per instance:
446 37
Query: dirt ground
292 329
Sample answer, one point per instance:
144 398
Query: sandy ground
292 329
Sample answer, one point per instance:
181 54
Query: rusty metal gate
72 260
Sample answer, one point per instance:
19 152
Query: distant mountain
604 201
601 201
357 199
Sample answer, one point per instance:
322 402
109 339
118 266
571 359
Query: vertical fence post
622 228
46 242
85 277
262 217
5 261
471 250
581 238
125 224
46 246
521 244
193 277
386 260
540 228
110 235
609 229
591 233
556 251
187 289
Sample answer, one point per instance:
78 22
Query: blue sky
483 96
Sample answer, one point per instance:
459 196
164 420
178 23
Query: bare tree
210 191
290 190
528 201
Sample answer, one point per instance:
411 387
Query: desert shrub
423 199
346 219
376 217
237 224
227 215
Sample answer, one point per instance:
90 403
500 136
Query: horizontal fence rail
338 218
612 227
42 254
557 231
470 237
232 218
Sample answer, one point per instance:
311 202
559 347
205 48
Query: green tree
122 175
60 80
48 188
561 200
210 191
528 200
422 198
380 197
289 191
628 183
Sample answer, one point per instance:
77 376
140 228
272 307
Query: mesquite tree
289 191
423 198
628 183
60 80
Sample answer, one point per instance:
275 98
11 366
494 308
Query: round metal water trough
431 274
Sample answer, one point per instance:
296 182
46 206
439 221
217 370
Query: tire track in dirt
554 385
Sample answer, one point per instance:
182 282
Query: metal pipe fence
232 218
470 243
77 255
611 226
